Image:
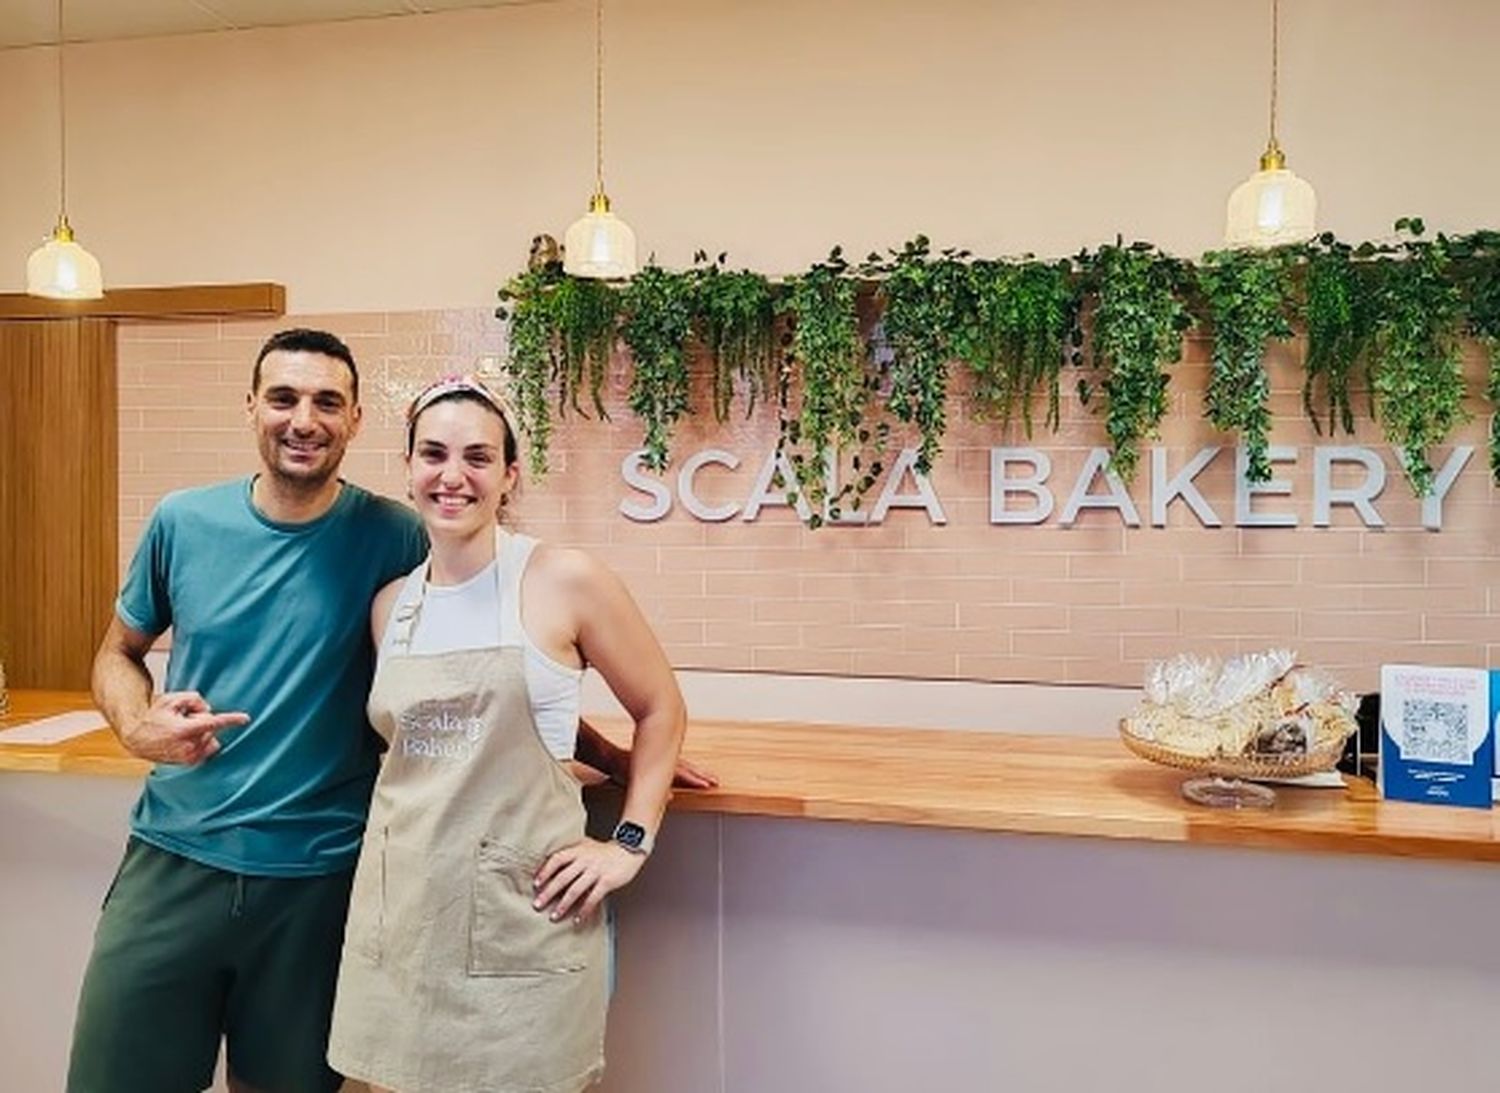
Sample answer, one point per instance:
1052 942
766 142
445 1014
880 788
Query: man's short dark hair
301 340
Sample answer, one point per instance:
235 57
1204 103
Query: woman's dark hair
301 340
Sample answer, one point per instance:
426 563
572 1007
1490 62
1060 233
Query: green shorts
185 955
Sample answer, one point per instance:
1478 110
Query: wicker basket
1222 777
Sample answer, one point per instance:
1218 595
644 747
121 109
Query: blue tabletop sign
1437 739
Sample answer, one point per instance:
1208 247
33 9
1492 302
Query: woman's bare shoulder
566 567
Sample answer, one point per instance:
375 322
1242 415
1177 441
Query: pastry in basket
1256 706
1289 736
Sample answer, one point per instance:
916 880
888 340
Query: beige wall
404 163
390 173
1091 604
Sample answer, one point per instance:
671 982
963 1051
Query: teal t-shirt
273 620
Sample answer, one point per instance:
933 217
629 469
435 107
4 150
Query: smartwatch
633 837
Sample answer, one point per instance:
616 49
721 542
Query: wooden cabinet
59 466
59 496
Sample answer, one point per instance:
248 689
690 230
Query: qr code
1434 731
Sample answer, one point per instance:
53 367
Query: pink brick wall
1091 603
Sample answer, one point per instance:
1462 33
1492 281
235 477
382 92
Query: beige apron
450 981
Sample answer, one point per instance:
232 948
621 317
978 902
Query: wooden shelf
244 301
1045 785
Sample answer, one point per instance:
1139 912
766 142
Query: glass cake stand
1222 780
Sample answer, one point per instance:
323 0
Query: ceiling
26 23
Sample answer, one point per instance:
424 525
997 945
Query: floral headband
451 385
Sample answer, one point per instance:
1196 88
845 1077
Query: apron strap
408 607
514 551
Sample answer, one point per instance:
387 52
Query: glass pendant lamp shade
1271 207
60 269
599 245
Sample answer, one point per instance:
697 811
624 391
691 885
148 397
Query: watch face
630 835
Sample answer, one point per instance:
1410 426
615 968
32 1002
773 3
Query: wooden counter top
1053 785
96 753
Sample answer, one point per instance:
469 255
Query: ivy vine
1416 369
827 355
1492 392
1138 323
531 364
1247 294
584 315
925 300
1481 288
1021 327
736 312
1338 313
657 306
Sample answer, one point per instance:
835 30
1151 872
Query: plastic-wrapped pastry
1260 704
1198 686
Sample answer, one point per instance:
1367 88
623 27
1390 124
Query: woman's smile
451 504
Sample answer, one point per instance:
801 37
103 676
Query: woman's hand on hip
575 879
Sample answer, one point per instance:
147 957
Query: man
226 917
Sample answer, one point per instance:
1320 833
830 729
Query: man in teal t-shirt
226 916
270 618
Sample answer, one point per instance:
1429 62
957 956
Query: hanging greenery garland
1138 323
1416 369
531 364
657 309
924 301
1338 313
584 314
1397 309
1247 295
1021 327
1492 392
1480 255
828 360
736 313
562 331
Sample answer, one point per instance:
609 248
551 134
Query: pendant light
60 268
1273 206
599 244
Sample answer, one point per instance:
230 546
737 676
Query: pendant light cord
598 96
62 121
1275 62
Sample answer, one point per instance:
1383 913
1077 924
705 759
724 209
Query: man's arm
177 727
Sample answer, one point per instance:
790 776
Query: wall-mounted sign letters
1023 489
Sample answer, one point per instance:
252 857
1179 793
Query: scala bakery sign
1024 490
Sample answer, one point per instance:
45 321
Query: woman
475 954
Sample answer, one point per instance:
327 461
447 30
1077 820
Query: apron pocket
507 935
366 922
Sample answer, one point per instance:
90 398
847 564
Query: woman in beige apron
475 952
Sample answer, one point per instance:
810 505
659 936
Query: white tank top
467 616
